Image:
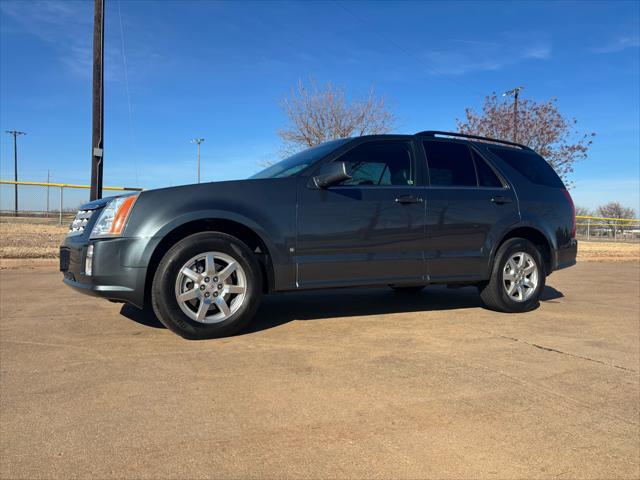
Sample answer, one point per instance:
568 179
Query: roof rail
433 133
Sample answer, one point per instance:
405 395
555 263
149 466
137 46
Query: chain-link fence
47 202
608 229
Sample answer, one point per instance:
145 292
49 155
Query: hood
99 203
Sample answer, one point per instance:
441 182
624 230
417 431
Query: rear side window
530 165
380 163
486 176
450 164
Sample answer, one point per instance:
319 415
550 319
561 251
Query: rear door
468 205
368 230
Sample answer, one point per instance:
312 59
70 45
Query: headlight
113 217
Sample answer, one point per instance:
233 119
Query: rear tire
409 289
208 285
517 278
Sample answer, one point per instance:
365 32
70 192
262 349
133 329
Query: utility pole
515 92
198 141
97 136
15 134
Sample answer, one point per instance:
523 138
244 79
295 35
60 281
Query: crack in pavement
550 349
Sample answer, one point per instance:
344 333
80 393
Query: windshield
301 160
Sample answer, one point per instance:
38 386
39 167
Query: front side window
380 163
450 164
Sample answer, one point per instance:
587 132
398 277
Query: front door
368 230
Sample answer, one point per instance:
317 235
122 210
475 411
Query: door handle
500 200
407 199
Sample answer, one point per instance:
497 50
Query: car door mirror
331 174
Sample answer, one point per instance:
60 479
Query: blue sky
218 70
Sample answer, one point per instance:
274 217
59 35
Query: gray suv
402 211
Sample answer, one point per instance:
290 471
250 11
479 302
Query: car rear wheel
208 285
517 278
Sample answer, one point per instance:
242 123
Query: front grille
80 222
65 255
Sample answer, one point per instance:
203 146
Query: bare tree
615 211
318 114
582 211
541 126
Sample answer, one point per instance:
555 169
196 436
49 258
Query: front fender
266 207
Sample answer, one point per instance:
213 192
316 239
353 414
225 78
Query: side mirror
333 173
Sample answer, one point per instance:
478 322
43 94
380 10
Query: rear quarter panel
541 207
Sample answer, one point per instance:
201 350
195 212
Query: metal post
15 170
588 228
15 134
61 190
515 117
48 181
198 141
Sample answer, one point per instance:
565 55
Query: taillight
573 212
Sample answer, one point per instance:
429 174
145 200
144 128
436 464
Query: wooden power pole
97 136
515 92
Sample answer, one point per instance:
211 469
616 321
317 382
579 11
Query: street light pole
198 141
15 134
515 92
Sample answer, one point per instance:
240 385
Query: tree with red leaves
541 127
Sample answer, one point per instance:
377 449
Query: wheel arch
236 229
536 236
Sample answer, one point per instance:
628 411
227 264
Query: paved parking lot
366 383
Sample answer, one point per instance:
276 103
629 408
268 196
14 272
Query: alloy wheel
211 287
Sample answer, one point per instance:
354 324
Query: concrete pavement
358 384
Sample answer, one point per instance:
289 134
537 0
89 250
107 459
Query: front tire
517 278
208 285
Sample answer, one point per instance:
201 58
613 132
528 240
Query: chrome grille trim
80 222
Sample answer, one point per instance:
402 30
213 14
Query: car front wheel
208 285
517 278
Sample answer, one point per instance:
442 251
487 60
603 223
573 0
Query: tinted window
301 160
379 163
450 164
531 165
486 176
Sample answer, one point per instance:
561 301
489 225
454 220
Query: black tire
494 294
408 289
163 289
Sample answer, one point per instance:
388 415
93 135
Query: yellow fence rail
67 185
606 219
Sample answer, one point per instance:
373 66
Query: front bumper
116 275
